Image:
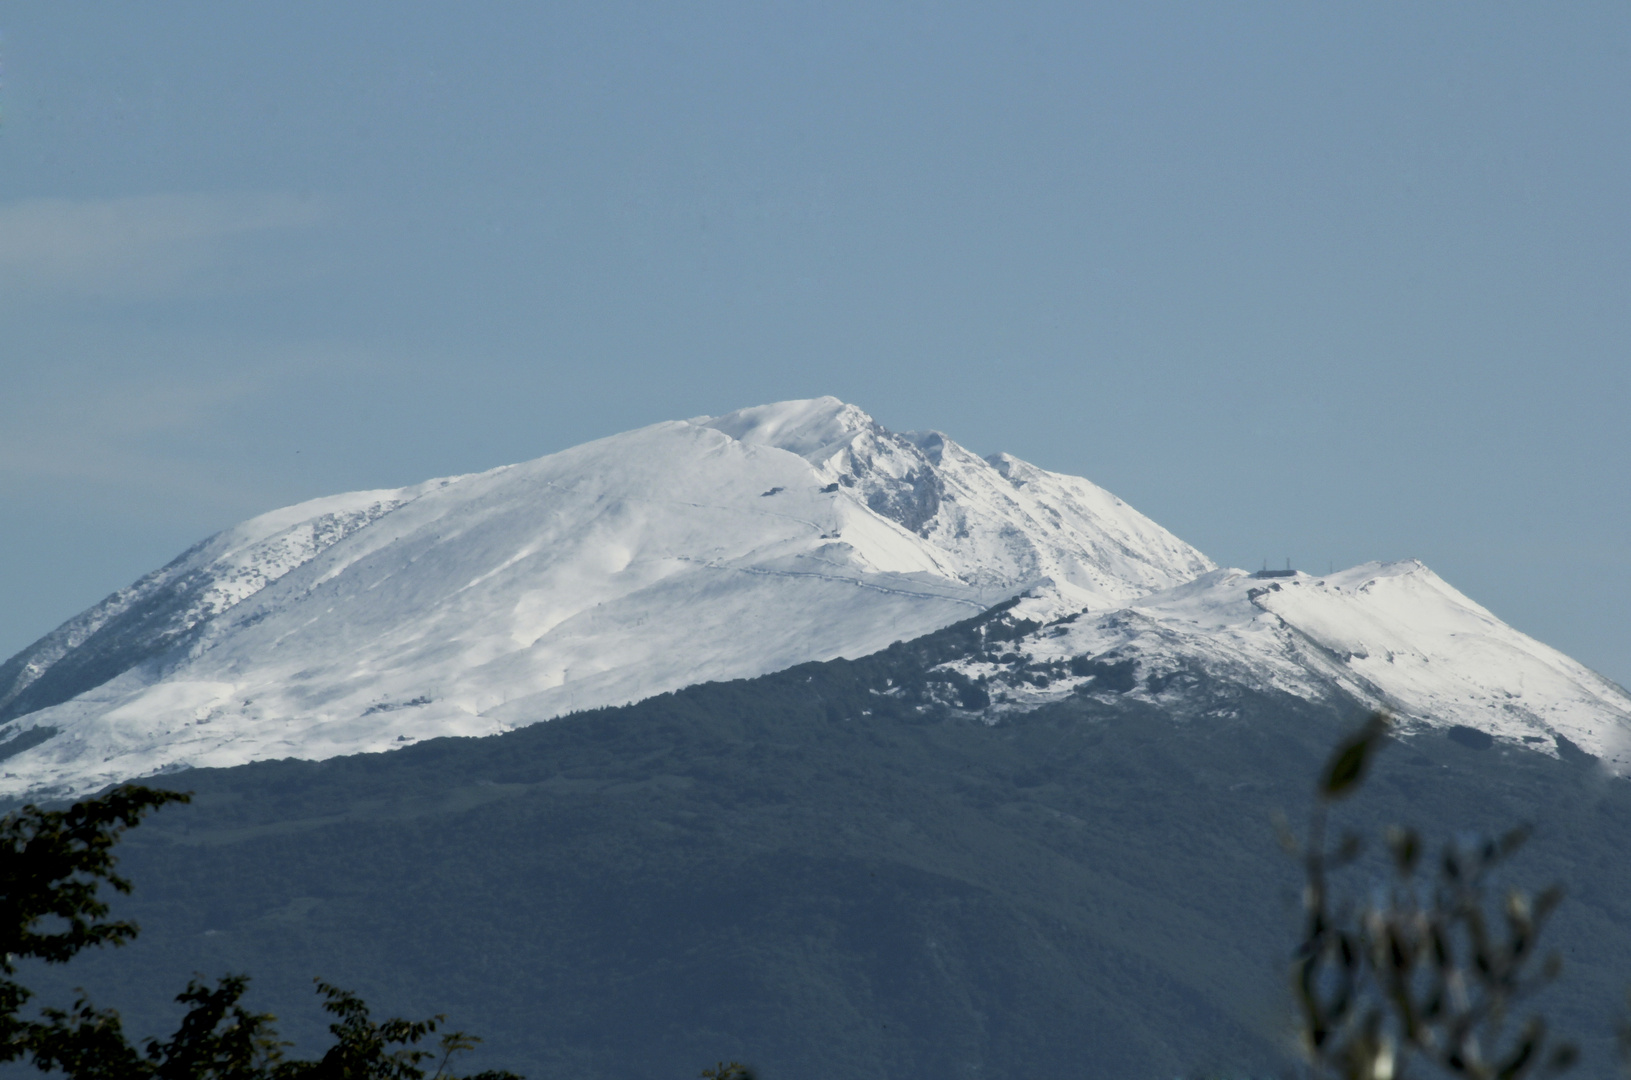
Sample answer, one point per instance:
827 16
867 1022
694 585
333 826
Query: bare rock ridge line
718 548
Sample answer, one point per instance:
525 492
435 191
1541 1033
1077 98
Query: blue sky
1330 282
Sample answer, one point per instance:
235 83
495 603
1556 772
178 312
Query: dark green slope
830 872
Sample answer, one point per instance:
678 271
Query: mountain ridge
1393 636
677 553
727 547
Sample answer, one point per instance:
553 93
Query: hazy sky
1329 281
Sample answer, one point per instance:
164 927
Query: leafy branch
53 864
1428 968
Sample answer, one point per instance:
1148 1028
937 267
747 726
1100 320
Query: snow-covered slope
1390 635
159 610
724 547
686 551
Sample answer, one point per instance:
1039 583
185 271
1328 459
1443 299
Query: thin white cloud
148 423
100 434
134 246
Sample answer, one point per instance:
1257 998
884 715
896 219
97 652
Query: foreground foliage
53 864
1427 968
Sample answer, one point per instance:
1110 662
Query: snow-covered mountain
1385 635
687 551
725 547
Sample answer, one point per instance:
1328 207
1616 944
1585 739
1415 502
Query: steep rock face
686 551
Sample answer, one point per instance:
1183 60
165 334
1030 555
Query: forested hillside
838 870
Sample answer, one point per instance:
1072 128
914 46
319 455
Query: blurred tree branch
1426 968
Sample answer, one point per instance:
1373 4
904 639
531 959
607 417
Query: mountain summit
687 551
726 547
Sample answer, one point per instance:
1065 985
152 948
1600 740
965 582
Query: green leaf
1347 765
